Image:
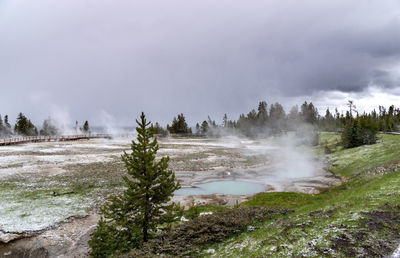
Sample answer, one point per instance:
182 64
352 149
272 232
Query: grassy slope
359 217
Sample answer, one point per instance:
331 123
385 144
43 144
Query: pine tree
277 116
21 124
179 125
86 127
262 114
7 127
197 128
174 126
293 118
157 129
348 135
6 123
132 218
204 127
309 113
49 128
182 125
225 120
2 128
24 126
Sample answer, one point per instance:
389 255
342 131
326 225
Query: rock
210 251
205 213
26 253
8 237
251 228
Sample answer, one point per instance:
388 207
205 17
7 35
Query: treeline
273 119
357 129
24 127
265 121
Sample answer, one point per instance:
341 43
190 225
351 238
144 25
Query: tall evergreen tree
179 125
157 129
262 115
7 127
21 124
293 118
327 122
24 126
225 120
352 107
198 128
309 113
252 117
49 127
211 122
86 127
349 134
2 127
277 117
204 127
6 122
132 218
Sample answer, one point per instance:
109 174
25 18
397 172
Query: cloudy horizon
110 60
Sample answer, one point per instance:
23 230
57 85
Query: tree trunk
146 219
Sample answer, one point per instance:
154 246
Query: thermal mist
286 157
279 163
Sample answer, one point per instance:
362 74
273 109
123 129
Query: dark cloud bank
197 57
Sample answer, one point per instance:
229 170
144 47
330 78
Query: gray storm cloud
197 57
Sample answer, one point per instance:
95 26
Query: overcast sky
108 60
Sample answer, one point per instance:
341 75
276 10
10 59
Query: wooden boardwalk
29 139
392 133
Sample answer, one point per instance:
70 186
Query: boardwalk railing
393 133
29 139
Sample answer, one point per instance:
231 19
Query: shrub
189 237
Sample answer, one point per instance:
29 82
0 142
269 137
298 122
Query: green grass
323 223
282 199
349 162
